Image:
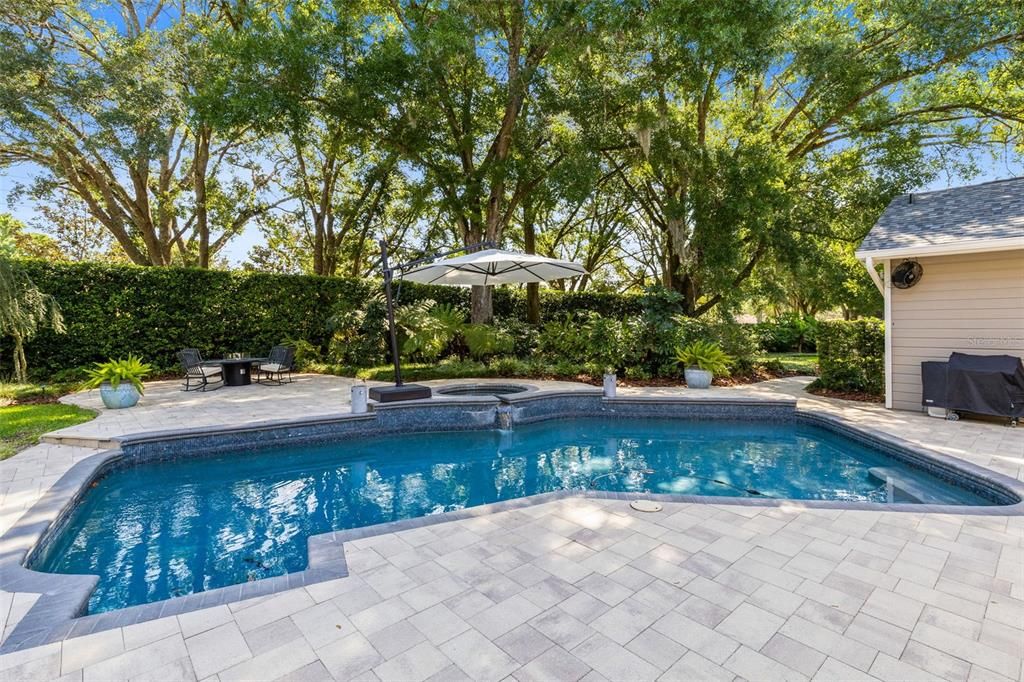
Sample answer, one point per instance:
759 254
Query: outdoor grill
980 384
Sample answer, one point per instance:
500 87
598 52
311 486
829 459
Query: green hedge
851 356
111 310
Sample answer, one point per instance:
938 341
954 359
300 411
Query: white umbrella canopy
493 266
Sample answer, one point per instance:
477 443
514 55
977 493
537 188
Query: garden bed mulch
758 375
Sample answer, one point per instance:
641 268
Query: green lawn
804 363
33 393
21 425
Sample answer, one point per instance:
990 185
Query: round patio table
236 371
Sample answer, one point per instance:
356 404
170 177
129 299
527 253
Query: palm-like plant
429 327
705 355
132 369
24 310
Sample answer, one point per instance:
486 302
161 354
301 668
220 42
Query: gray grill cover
985 384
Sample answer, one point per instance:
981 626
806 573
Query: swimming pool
162 529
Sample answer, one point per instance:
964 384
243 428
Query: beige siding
970 303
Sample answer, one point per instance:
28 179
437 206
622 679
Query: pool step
918 491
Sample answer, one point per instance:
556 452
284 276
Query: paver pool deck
581 588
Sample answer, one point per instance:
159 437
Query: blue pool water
163 529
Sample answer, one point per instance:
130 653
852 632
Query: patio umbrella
493 266
483 268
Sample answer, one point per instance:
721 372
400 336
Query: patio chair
277 366
197 373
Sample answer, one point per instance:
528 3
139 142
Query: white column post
359 394
887 296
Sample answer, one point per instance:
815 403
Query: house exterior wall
971 303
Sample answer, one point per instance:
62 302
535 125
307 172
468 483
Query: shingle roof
992 210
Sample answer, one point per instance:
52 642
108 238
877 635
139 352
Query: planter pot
697 378
125 395
609 385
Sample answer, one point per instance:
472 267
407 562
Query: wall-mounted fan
906 274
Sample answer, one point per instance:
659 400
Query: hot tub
482 389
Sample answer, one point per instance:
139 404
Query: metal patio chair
197 373
277 366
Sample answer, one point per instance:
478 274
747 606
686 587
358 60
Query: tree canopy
732 152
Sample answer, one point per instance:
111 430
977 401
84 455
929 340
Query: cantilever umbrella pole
402 391
388 276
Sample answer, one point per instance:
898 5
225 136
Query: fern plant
484 341
448 319
429 328
132 370
705 355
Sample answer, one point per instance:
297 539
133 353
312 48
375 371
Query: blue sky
237 250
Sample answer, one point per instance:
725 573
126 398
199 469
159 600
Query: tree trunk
481 298
331 241
481 305
533 303
530 244
202 160
674 279
20 363
318 243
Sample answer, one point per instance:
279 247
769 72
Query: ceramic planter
697 378
125 395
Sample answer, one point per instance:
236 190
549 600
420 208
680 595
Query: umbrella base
392 394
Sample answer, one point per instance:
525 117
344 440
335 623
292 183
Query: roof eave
951 249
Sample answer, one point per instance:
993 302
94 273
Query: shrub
735 340
656 332
306 354
738 343
790 334
484 341
556 304
563 341
851 356
637 373
358 334
155 312
523 335
611 343
509 367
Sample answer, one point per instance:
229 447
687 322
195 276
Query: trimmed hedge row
154 312
851 356
111 310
